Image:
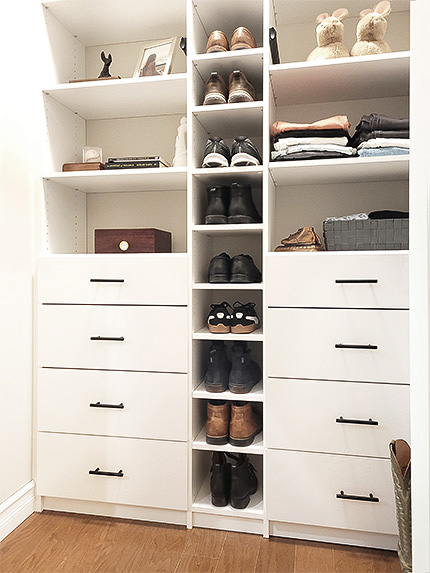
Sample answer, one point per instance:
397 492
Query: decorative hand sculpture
107 61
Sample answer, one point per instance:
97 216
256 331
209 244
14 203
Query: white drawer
303 488
155 472
114 279
333 417
155 338
301 343
336 280
129 404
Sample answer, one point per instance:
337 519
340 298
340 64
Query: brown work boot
240 89
217 42
218 417
242 39
305 239
216 90
245 424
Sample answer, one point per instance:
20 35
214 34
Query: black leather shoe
218 372
245 373
219 269
216 153
244 482
243 270
217 209
244 152
220 480
241 208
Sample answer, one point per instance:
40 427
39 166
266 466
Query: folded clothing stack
377 135
323 139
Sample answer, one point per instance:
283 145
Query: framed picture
156 58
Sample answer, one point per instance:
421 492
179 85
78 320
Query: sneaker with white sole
216 153
244 152
244 318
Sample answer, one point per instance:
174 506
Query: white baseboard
16 509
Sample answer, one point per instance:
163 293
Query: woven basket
366 235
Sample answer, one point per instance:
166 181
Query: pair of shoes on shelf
242 39
239 319
230 204
239 89
239 269
243 153
305 239
239 376
232 483
236 423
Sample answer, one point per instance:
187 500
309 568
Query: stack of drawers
112 389
337 388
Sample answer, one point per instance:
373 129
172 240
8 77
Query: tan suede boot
218 417
245 424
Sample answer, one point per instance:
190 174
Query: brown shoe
216 90
217 42
218 417
245 424
240 89
242 39
305 239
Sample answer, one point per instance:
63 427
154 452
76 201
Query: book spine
134 165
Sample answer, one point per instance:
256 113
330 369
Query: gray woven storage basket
366 235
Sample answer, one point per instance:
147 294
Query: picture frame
156 58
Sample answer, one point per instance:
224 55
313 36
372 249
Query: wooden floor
49 542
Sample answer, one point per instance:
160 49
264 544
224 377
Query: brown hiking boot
218 417
245 424
216 90
242 39
240 89
305 239
217 42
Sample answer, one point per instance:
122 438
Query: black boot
217 208
219 269
245 373
243 270
241 208
220 480
244 481
217 375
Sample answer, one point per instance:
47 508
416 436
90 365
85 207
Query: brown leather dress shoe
240 89
245 424
216 90
217 42
242 39
305 239
218 418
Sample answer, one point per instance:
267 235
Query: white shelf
394 253
127 180
348 170
204 334
231 120
221 175
247 61
257 446
229 230
202 503
130 97
341 79
228 286
255 395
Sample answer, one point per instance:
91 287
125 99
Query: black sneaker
219 318
244 152
216 153
244 318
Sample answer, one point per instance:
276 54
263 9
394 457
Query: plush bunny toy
371 29
330 36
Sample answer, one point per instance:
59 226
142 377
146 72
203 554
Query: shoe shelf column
209 238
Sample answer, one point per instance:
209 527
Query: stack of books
148 161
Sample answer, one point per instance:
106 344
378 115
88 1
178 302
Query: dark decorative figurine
107 61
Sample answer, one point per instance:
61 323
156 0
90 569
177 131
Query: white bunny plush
371 29
330 36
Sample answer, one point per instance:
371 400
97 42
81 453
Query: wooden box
132 241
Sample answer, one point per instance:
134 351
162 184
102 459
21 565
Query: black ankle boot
220 479
245 373
217 209
217 375
219 269
244 481
241 208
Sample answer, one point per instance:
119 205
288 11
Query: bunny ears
382 8
340 14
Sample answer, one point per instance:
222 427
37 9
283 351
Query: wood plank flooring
49 542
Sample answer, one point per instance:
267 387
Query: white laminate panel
301 344
294 279
154 404
155 337
145 279
303 416
155 472
302 488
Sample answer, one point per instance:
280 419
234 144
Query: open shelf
202 503
228 286
256 394
226 62
225 175
257 446
229 230
232 119
204 334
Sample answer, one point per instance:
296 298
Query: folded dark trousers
312 133
360 136
388 214
312 155
376 121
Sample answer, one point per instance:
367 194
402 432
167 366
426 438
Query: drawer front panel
302 344
154 405
154 471
333 417
338 280
104 279
155 338
302 488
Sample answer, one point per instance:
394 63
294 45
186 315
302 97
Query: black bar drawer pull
98 472
118 338
100 405
356 281
359 346
369 422
106 280
370 497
